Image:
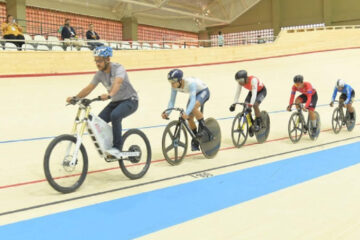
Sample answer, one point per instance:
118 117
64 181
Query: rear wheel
263 133
350 125
314 135
59 172
136 167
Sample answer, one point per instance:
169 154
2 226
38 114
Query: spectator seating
146 46
42 47
54 41
57 48
28 47
135 45
10 47
40 40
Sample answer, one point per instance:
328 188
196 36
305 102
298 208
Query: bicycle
243 126
339 119
298 126
209 143
66 172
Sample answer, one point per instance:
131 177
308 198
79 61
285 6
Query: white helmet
340 83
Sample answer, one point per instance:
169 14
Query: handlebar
84 101
176 109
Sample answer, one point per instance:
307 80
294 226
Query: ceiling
196 14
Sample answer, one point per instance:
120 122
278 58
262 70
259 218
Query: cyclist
347 96
309 97
124 99
199 94
257 93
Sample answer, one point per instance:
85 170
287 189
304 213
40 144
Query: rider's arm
309 93
192 91
334 94
254 84
172 101
292 96
86 91
348 93
116 86
237 94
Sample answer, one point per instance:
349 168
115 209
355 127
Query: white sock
313 123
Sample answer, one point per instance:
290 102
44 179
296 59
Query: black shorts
314 99
259 96
343 96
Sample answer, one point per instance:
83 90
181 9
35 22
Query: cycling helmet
175 75
340 83
103 51
241 76
298 79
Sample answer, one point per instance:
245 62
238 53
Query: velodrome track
303 191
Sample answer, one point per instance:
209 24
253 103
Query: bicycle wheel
239 130
59 173
350 125
263 133
211 148
314 135
135 140
174 143
336 121
295 127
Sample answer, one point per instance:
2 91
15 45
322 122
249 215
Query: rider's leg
194 142
258 116
121 111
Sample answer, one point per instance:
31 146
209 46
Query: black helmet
298 79
241 76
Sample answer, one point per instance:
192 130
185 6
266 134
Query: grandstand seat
156 46
28 38
175 46
113 45
42 48
28 47
85 49
57 48
71 48
125 45
135 45
40 40
10 47
166 46
146 46
54 41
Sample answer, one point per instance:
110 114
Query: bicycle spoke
169 148
181 144
176 154
171 135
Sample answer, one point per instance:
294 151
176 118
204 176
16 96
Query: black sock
194 131
351 115
201 123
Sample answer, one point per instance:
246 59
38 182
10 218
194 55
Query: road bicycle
243 126
339 119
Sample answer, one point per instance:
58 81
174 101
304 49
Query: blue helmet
103 51
175 75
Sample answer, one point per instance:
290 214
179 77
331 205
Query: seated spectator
12 31
69 36
260 40
92 36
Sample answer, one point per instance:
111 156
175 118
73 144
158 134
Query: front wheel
336 120
135 140
174 143
295 127
61 174
239 130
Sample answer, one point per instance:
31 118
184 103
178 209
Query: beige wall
295 12
287 43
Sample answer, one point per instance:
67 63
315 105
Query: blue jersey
347 89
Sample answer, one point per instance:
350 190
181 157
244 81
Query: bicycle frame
181 122
83 116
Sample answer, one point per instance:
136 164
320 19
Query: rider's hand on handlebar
288 108
105 97
164 116
331 104
232 108
68 99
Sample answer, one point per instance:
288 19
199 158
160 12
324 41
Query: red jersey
307 89
249 84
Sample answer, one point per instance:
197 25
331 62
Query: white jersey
190 83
